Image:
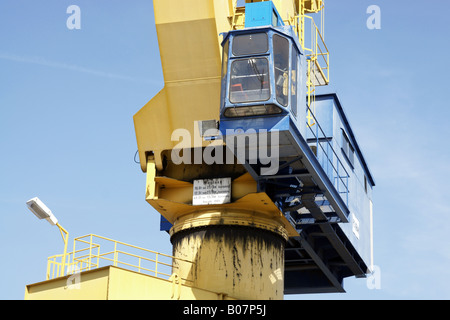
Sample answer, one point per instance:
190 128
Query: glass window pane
281 62
225 59
249 80
247 44
257 110
294 77
223 86
274 19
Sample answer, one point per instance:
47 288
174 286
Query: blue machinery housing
322 185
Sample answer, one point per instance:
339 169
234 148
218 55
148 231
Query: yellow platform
114 283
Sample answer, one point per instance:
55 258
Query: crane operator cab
263 71
263 107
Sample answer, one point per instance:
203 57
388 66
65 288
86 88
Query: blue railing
326 154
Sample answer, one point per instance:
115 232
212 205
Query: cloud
61 65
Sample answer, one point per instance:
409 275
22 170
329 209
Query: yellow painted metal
189 42
316 49
249 267
190 47
92 252
243 262
65 236
235 249
224 217
311 96
94 287
237 19
312 6
113 283
172 198
286 9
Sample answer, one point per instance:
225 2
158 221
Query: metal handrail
317 47
330 161
91 257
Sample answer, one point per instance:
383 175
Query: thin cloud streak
60 65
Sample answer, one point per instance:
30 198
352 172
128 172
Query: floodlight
41 211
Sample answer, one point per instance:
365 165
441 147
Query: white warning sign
212 191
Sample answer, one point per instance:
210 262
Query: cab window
249 80
249 44
281 65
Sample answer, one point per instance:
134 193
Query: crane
241 78
259 181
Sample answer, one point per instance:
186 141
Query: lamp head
41 211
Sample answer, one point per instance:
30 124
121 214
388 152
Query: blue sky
67 100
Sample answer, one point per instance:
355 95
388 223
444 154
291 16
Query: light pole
43 212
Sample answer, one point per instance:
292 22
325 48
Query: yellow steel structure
236 248
241 262
114 283
189 35
190 47
65 236
93 251
100 268
223 251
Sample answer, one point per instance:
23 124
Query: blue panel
334 121
268 123
260 14
323 112
323 190
164 224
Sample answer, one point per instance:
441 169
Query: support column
235 253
